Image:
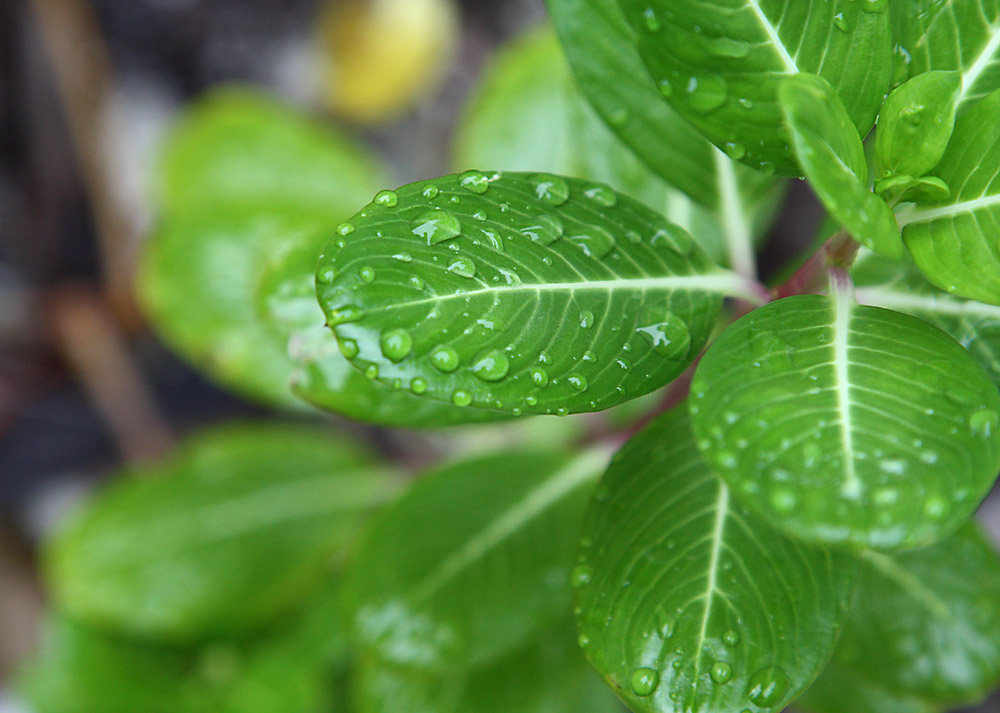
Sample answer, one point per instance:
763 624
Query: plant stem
839 251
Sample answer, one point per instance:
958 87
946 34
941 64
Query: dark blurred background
87 89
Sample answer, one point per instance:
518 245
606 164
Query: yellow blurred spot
380 56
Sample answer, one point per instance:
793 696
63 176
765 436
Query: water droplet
581 575
666 624
674 238
721 672
783 500
731 638
550 189
644 681
418 386
578 382
707 93
371 371
901 62
349 348
474 181
583 641
601 195
436 226
463 267
734 150
546 230
666 88
841 23
367 274
650 20
461 398
595 243
666 333
935 507
589 357
430 191
893 466
345 229
586 319
326 277
767 167
490 365
539 377
727 47
768 687
403 257
444 358
531 400
389 199
416 282
396 344
344 314
984 422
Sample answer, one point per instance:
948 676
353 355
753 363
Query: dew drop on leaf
396 344
721 672
371 371
418 386
436 226
768 686
601 195
345 229
490 365
644 681
461 398
463 267
984 422
673 238
444 358
731 638
578 382
367 274
581 575
666 333
344 314
707 93
586 319
550 189
734 150
389 199
349 348
545 230
474 181
539 377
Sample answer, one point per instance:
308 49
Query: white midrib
739 239
576 473
843 306
772 33
718 531
727 283
910 216
891 569
983 61
887 297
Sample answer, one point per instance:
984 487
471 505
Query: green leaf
848 424
217 540
197 282
519 293
322 376
687 601
961 35
924 629
915 124
528 115
473 561
600 46
830 152
720 64
974 325
549 675
841 690
236 148
955 242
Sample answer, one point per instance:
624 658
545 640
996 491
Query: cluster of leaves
799 529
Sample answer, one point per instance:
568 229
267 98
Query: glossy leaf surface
955 242
219 539
924 629
974 325
830 152
915 124
961 35
473 561
689 602
601 48
237 148
321 374
548 675
720 64
848 424
529 115
519 293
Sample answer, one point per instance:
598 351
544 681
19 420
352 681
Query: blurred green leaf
528 115
322 376
848 424
549 675
236 149
830 152
720 64
235 529
954 242
915 124
961 35
923 633
472 562
519 293
687 601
